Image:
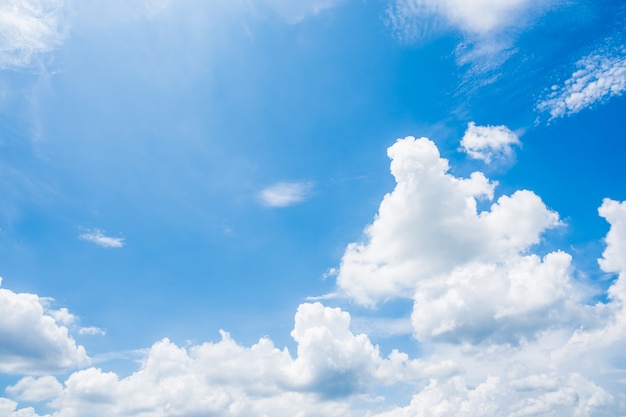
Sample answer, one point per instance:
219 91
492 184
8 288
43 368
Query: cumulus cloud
283 194
225 378
98 237
500 330
489 143
29 28
430 225
599 76
31 340
35 389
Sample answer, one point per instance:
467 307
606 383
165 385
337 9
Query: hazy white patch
472 16
490 27
382 327
31 340
153 8
99 238
598 77
283 194
29 28
91 331
296 11
489 143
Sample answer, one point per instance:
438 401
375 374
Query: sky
379 208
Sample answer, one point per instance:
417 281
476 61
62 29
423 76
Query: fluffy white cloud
598 77
99 238
332 366
429 225
28 28
35 389
489 143
283 194
501 330
530 396
31 341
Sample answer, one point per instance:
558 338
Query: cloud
283 194
35 389
489 143
31 340
501 330
470 16
29 28
489 27
91 331
225 378
430 225
599 76
99 238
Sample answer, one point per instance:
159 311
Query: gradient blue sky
169 169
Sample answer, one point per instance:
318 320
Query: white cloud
29 28
283 194
99 238
489 26
224 378
31 341
91 331
598 77
552 396
429 225
35 389
471 16
489 143
563 369
501 330
63 316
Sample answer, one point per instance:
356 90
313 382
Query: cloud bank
502 329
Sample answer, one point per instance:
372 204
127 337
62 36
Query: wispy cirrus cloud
98 237
598 77
286 193
489 27
29 28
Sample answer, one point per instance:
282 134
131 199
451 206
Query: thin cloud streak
99 238
284 194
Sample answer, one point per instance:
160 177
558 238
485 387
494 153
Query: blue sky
325 207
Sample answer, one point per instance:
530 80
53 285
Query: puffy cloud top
31 340
27 28
430 225
489 142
